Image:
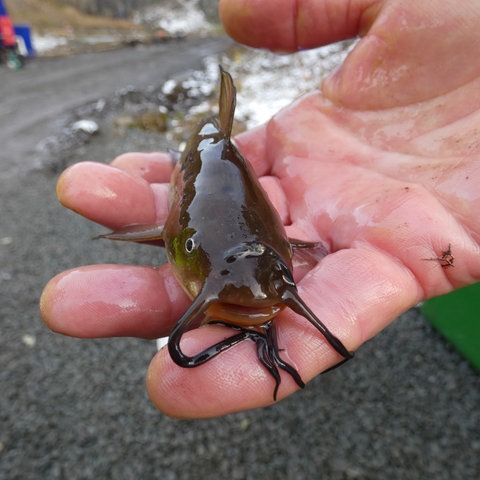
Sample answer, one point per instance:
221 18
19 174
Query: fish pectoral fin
297 244
152 234
227 103
307 254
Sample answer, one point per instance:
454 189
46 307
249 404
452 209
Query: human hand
382 164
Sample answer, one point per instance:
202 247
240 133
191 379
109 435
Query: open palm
382 165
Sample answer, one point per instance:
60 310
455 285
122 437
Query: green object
457 317
13 61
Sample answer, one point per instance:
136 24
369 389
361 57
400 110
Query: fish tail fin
227 102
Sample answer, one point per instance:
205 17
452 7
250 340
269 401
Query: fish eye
189 245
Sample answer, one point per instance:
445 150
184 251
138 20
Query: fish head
249 284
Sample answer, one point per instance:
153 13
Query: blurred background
89 80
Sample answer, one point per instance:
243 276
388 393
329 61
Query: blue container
24 40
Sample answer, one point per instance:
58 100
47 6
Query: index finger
119 194
113 300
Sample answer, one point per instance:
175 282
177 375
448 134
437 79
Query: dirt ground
406 407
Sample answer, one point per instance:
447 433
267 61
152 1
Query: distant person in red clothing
8 40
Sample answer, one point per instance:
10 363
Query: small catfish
228 247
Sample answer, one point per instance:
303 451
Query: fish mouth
241 316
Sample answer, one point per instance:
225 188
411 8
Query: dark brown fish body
227 246
222 233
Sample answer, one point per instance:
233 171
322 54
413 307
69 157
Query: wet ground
406 407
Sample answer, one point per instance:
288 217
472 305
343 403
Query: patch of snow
44 43
182 19
267 82
87 126
99 39
169 86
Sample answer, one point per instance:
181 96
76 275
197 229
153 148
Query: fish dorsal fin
227 103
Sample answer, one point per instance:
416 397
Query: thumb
292 25
410 54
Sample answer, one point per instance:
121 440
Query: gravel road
33 100
406 407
